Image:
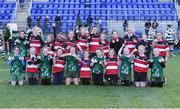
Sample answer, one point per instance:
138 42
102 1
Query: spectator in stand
58 24
147 26
29 22
46 25
38 21
125 25
155 25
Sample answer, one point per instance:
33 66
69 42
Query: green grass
92 96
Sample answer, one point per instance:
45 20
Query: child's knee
68 81
13 83
76 81
142 84
20 82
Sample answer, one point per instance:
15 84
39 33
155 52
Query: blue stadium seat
107 9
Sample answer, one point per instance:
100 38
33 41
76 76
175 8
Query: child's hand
151 60
21 58
134 40
161 60
10 58
100 62
83 62
94 61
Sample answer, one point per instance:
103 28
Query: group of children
87 57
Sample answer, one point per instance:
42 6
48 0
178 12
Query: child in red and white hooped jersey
85 71
104 44
111 63
49 44
141 65
94 40
130 39
32 67
161 45
71 41
58 67
35 40
59 42
83 38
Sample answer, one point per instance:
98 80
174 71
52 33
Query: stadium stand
107 9
7 11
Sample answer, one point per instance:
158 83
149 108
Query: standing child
116 41
130 39
104 44
71 41
170 37
45 67
157 64
35 40
94 40
97 64
49 44
22 44
16 68
85 71
161 45
71 68
59 42
83 38
111 74
141 65
58 68
125 67
32 67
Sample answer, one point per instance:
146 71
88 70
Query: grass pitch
92 96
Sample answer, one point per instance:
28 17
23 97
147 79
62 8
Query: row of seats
165 5
64 28
99 1
110 17
69 11
7 10
107 9
7 5
6 16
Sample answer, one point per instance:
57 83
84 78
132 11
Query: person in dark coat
116 41
57 24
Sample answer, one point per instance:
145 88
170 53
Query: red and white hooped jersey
35 41
33 67
85 71
105 47
59 66
83 43
112 67
70 44
141 64
131 45
129 42
163 48
57 45
36 44
94 44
